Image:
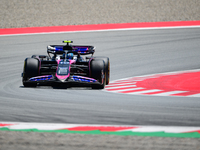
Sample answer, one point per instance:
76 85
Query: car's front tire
97 71
107 67
31 69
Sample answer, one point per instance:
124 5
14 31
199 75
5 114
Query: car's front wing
72 79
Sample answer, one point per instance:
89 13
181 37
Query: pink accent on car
63 77
72 61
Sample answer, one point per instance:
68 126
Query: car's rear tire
97 71
107 68
31 69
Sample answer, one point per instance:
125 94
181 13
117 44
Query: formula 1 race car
65 65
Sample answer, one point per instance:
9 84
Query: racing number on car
63 68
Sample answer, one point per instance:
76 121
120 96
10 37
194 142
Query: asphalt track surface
131 52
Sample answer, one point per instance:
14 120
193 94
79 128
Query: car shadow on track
60 87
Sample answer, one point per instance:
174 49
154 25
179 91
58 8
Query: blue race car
65 65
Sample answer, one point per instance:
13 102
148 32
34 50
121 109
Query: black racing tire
107 67
97 71
31 69
34 56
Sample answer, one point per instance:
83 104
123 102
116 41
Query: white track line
169 93
195 95
139 88
119 84
145 91
167 129
117 87
118 91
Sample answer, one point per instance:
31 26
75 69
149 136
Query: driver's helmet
70 56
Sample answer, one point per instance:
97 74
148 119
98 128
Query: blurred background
34 13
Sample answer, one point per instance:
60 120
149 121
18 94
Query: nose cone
63 70
62 78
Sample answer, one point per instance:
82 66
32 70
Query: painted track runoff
181 83
158 131
99 27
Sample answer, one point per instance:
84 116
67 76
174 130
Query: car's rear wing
76 49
